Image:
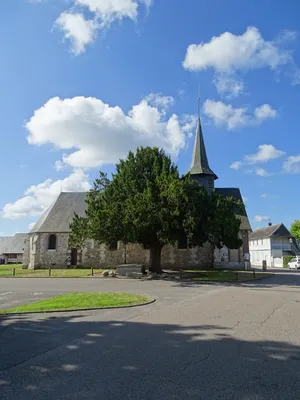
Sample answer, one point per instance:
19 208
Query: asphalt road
237 342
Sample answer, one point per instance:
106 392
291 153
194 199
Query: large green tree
147 202
295 229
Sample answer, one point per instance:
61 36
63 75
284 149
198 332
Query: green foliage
286 260
147 202
295 229
79 232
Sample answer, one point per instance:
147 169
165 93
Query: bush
286 260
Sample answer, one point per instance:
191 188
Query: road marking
37 293
3 294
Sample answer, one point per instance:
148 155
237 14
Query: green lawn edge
81 301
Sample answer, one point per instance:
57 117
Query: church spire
199 164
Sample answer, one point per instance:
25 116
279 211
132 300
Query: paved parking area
232 342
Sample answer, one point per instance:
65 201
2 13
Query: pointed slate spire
199 164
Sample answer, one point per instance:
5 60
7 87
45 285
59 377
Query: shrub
286 260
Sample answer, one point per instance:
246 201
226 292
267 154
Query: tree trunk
155 259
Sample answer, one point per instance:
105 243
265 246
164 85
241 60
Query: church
47 244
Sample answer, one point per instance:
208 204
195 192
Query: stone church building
47 244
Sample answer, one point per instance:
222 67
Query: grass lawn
74 301
224 275
7 271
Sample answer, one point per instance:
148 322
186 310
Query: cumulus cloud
230 55
222 114
264 154
38 198
95 133
261 218
78 30
236 165
82 31
292 165
262 172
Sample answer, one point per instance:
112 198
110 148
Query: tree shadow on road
290 279
68 357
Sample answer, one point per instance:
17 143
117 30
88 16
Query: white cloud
233 118
264 112
292 165
270 196
265 153
236 165
82 31
230 54
261 218
159 101
228 86
39 197
96 133
59 165
78 30
262 172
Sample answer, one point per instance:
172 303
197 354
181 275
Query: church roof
236 194
199 164
59 215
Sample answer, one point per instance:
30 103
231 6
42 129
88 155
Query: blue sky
83 81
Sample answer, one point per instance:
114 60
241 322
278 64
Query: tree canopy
295 229
147 202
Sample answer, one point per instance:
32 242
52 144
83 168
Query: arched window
52 242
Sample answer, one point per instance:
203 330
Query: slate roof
270 231
13 244
59 215
236 194
199 164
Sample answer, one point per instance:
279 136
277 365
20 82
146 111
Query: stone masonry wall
37 255
26 253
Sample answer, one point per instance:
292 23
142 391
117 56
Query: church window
52 242
182 243
210 184
113 245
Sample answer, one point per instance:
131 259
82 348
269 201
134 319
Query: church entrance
73 257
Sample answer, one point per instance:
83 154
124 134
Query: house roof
270 231
59 215
13 244
199 164
242 214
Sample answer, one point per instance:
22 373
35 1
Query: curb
78 309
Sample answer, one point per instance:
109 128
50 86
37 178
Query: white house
271 244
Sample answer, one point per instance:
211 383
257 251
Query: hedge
286 260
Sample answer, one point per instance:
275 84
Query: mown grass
224 275
74 301
7 271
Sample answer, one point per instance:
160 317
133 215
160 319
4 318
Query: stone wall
37 254
25 261
100 256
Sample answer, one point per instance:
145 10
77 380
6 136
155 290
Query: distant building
271 244
47 244
12 248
